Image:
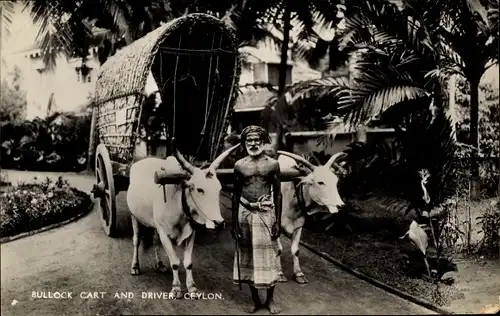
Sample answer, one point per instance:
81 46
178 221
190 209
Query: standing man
256 209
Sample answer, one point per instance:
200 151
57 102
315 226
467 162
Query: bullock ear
303 170
339 169
304 180
186 185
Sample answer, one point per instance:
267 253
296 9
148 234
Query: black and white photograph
237 157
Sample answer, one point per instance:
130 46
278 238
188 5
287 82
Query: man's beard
255 150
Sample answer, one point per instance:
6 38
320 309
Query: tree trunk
283 72
360 134
284 50
475 190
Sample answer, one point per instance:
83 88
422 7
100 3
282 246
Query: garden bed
28 207
395 262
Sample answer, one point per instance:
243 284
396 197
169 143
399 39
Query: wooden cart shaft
225 176
121 174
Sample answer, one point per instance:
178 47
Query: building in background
259 81
68 87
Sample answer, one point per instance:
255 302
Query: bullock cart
195 64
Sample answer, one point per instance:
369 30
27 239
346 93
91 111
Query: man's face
254 144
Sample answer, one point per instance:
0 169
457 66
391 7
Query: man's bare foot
253 308
273 308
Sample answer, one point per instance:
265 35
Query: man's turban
264 135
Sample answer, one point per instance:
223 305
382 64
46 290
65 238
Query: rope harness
185 207
299 193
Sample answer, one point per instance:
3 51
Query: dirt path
79 258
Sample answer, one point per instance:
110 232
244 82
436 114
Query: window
83 75
78 75
274 74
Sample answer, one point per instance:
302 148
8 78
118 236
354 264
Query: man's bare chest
256 170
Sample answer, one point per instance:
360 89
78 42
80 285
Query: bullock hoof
282 278
135 270
300 278
160 267
193 290
176 292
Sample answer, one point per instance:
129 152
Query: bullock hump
146 168
286 162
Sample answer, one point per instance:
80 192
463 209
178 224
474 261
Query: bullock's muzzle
337 208
220 225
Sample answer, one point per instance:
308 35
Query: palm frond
61 29
378 89
311 99
476 7
7 11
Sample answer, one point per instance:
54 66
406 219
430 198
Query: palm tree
408 54
301 17
321 50
70 26
471 34
387 73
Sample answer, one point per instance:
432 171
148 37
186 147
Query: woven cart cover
120 85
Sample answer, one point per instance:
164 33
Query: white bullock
169 210
317 192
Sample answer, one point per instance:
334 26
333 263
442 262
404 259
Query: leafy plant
60 142
389 170
488 134
13 103
490 227
28 207
419 238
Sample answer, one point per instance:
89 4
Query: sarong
258 254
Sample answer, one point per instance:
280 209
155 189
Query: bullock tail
147 235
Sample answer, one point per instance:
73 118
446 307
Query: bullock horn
298 158
333 158
180 158
215 164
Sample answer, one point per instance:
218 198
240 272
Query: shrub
27 207
13 104
57 143
489 111
489 222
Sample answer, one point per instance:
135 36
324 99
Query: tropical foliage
60 142
403 54
388 173
6 13
71 27
392 169
13 102
488 133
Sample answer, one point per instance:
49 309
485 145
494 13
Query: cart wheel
104 190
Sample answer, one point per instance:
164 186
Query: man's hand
276 230
236 233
